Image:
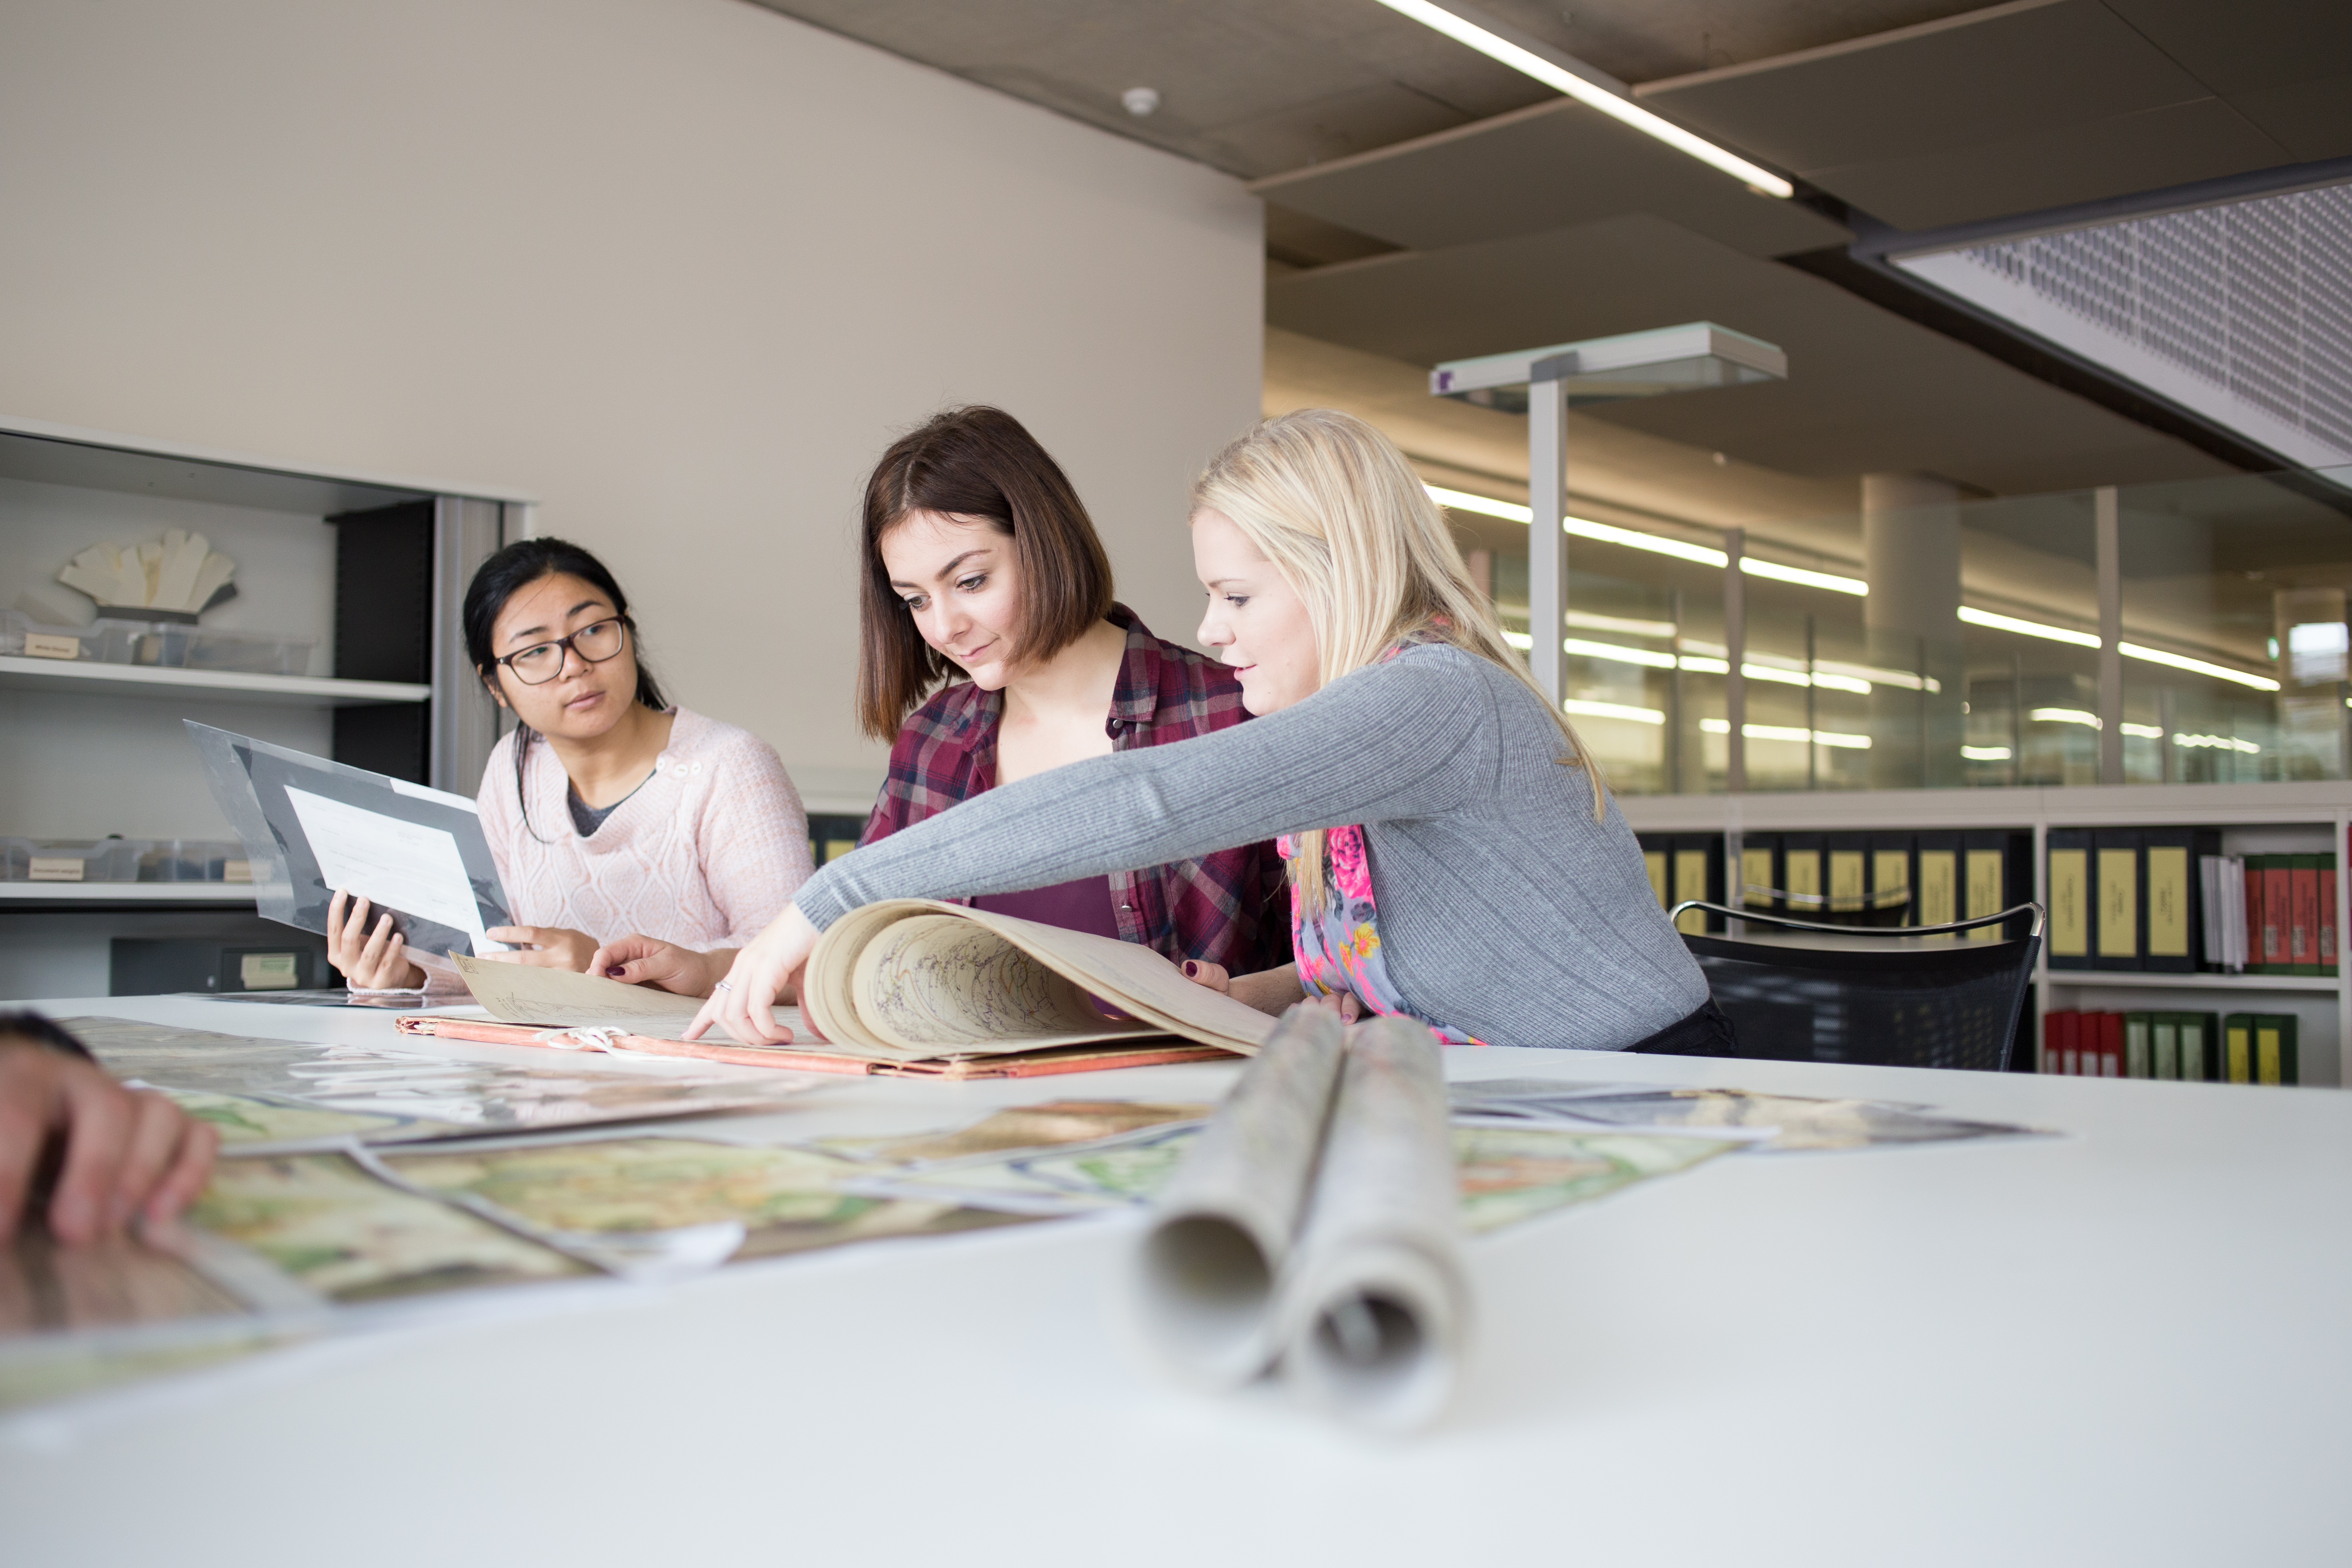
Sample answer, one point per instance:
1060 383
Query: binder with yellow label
2070 898
2116 899
1937 900
1758 873
2238 1048
1802 874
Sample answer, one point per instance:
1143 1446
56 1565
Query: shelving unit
91 679
371 568
2252 818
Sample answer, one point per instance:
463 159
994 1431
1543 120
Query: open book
907 986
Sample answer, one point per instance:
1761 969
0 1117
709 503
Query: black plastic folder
311 826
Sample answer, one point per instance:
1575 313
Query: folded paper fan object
181 573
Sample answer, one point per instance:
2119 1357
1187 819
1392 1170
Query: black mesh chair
1953 1005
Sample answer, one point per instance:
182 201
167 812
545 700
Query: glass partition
2191 632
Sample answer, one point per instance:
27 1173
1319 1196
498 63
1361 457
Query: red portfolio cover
2277 890
2111 1044
2058 1042
2328 915
2302 915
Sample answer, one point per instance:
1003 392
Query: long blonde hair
1340 513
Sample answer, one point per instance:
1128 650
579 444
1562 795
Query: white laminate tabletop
2131 1344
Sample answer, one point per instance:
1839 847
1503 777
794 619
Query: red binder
2059 1041
2111 1046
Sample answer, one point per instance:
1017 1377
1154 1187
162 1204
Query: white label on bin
58 867
48 645
236 871
267 971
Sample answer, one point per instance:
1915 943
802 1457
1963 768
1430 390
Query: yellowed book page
938 982
1130 978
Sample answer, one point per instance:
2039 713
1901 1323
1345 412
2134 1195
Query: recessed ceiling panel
2056 166
1867 391
1983 78
1551 166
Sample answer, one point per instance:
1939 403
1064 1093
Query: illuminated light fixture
1523 641
2217 743
2196 666
1985 753
2142 731
1612 651
1586 621
1534 58
1580 708
2025 628
1782 732
1699 664
2064 716
1488 506
1803 577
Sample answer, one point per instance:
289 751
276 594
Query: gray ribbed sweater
1505 911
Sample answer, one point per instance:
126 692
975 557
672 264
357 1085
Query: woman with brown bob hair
980 560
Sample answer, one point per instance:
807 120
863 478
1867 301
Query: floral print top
1340 949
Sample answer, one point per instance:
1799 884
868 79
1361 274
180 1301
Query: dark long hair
517 567
973 462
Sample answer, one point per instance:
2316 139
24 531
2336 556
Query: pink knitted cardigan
709 851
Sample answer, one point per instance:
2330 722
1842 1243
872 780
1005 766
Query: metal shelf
2130 979
89 676
30 896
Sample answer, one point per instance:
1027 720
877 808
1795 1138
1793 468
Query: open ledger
905 986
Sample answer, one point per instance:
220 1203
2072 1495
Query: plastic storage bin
175 647
195 860
75 859
18 629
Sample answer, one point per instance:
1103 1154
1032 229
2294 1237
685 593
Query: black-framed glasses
542 662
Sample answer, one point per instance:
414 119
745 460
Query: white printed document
397 865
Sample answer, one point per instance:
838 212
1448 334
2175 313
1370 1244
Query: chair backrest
1948 1005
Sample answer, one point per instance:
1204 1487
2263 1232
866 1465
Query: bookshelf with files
1857 841
337 634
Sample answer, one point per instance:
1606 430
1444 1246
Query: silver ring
722 985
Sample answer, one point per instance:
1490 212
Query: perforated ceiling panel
2241 311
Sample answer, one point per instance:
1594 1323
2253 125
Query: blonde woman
1453 857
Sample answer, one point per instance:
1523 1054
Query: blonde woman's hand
764 974
649 961
1268 991
544 947
374 960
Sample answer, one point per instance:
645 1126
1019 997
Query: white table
2133 1344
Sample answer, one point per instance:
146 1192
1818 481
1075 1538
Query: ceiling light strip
1623 110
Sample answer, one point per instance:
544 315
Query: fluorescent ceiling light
2217 743
1657 543
1593 623
1782 732
1577 708
2064 716
1798 574
2181 661
1591 95
1985 753
2142 731
1613 651
2025 628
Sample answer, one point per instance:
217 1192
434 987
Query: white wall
679 267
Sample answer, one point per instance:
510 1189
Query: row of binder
2167 899
2200 1048
1853 879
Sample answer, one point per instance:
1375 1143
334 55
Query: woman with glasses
607 810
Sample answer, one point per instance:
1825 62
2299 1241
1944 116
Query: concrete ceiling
1426 203
2038 103
1257 89
1868 391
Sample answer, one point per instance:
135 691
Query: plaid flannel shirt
1222 906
